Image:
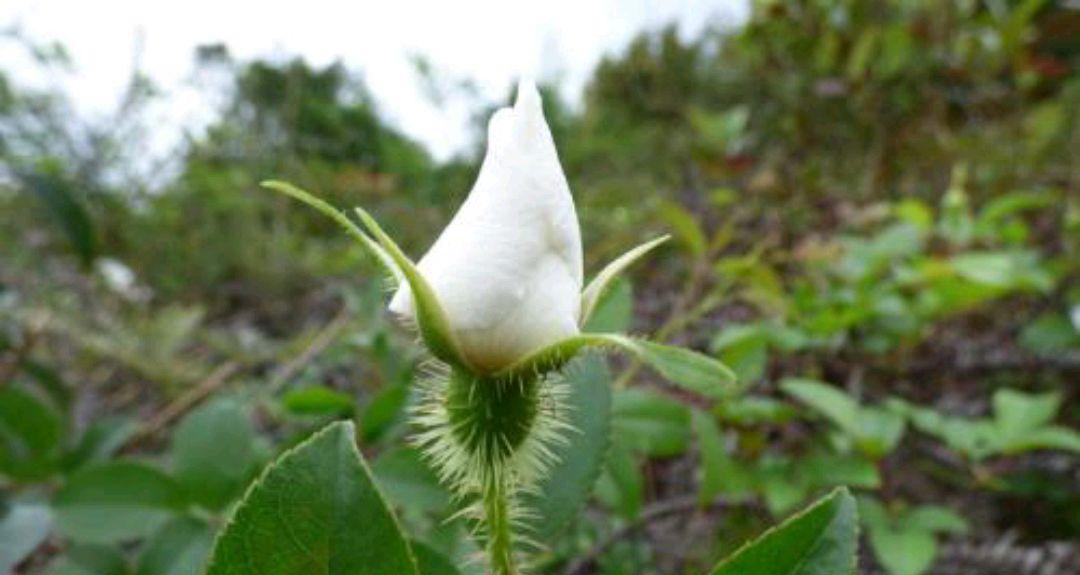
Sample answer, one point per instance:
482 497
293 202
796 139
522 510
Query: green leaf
825 399
318 400
936 519
686 228
714 456
101 440
214 453
745 348
1017 413
821 540
180 547
314 510
651 423
622 487
599 286
751 410
431 562
29 435
1051 437
834 470
385 407
408 482
562 493
91 560
431 318
683 367
1050 334
116 501
904 552
23 526
615 312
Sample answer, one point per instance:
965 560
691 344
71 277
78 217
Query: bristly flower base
489 440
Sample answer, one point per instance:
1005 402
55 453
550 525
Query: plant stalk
496 501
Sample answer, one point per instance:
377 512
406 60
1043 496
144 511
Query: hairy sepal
683 367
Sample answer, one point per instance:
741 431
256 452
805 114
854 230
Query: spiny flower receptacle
489 439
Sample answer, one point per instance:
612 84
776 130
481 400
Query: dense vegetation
877 226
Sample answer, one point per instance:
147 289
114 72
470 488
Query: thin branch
182 404
322 340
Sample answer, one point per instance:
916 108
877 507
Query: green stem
500 545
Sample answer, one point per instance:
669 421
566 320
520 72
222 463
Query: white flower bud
508 267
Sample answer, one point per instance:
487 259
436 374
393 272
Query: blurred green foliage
877 225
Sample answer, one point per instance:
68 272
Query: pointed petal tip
528 96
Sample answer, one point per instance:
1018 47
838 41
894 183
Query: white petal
508 267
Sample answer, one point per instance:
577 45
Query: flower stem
496 501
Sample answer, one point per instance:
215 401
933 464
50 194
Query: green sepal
683 367
431 318
373 248
603 281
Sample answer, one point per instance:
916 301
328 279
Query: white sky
489 42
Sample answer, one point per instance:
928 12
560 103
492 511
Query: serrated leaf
562 493
116 501
821 540
315 510
180 547
599 286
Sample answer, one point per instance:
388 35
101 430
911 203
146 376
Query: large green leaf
180 547
116 501
214 453
821 540
315 510
564 491
23 526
